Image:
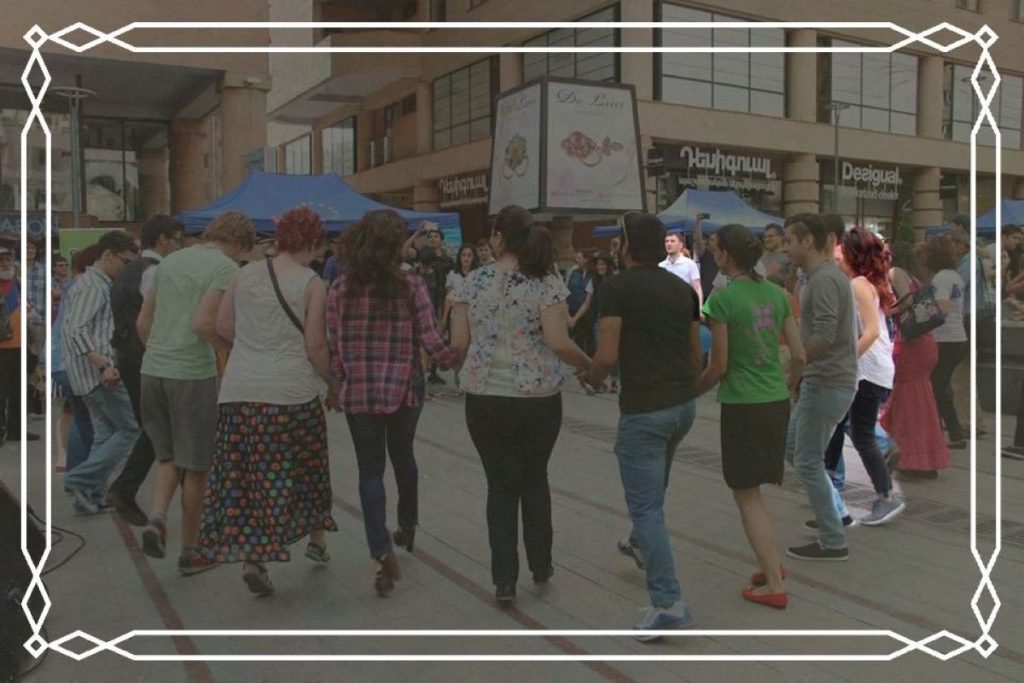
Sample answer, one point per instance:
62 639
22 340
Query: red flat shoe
776 600
758 579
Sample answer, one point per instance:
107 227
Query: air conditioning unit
380 151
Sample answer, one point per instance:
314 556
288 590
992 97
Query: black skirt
754 443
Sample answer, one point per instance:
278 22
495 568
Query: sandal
258 581
317 552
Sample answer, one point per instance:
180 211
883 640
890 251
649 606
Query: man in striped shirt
89 359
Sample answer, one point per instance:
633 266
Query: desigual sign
870 182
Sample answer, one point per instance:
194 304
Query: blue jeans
114 434
645 446
375 437
811 424
80 436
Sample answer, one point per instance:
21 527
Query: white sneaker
676 617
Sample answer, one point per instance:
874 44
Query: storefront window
125 168
338 144
462 104
880 89
12 121
962 107
590 66
751 82
297 156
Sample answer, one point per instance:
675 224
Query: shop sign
714 168
10 224
718 163
870 182
463 190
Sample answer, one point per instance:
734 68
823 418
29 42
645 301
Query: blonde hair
231 227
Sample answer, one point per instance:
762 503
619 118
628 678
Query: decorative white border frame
984 644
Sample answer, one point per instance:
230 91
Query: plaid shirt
375 347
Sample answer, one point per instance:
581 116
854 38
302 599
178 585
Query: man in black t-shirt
650 326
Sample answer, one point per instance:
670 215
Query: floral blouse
494 295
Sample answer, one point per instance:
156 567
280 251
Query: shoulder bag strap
280 297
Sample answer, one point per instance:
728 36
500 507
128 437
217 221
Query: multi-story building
414 129
158 132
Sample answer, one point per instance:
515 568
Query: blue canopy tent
266 196
1013 214
725 207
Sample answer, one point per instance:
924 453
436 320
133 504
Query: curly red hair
299 229
866 255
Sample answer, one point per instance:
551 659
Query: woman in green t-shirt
747 318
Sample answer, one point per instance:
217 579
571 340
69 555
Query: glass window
338 145
753 82
118 157
967 4
591 66
881 89
462 104
12 121
297 156
962 107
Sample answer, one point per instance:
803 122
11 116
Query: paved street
915 577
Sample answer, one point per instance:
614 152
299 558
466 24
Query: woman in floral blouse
378 319
512 321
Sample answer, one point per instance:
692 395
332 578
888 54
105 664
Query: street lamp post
835 108
74 96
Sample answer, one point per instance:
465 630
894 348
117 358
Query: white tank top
876 365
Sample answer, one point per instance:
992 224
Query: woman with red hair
865 260
271 485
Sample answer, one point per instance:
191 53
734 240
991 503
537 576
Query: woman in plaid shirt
378 319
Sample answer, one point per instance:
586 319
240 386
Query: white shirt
146 283
684 268
949 286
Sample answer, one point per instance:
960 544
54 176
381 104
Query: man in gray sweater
829 334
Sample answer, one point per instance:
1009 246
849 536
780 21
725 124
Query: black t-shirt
657 311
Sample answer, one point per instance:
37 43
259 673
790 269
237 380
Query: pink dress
910 415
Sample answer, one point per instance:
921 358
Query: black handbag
922 315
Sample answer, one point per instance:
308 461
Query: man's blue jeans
114 434
811 424
645 446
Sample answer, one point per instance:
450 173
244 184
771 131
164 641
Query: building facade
414 130
158 133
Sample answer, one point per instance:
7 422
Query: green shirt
753 312
174 351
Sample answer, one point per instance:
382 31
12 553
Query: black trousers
950 356
515 437
861 419
12 391
136 468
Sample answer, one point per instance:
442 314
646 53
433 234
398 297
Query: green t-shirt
754 313
174 351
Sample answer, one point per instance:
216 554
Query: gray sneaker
82 504
884 510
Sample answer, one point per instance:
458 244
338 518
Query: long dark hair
458 259
531 244
743 247
372 252
865 254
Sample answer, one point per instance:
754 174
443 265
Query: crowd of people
223 374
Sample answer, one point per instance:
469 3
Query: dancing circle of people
222 375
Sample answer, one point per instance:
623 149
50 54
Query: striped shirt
88 326
375 347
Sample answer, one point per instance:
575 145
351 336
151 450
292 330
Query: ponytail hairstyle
743 247
866 256
530 243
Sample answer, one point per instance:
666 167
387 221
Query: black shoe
812 524
434 378
405 537
957 444
814 551
29 436
1014 452
127 508
543 575
505 592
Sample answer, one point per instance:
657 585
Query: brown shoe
387 574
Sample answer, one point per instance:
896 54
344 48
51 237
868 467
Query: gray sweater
827 316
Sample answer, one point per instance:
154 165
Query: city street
915 576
